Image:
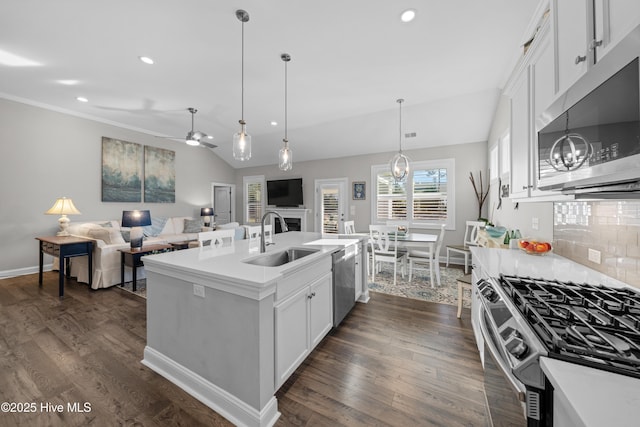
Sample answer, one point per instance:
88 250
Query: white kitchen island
229 332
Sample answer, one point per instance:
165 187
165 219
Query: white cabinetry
476 274
301 321
520 118
585 31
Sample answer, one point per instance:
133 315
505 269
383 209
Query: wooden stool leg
459 300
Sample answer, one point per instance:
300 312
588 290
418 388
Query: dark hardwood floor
393 362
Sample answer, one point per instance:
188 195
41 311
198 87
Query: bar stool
463 282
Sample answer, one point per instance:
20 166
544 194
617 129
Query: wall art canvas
159 175
121 171
359 190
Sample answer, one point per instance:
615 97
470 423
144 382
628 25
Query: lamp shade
136 218
206 211
63 206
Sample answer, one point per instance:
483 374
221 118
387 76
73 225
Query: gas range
591 325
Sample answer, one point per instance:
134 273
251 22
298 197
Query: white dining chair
427 253
470 239
217 238
349 227
384 248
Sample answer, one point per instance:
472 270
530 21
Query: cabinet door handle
313 294
594 44
526 187
580 59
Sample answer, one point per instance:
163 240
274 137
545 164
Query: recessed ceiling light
209 136
8 58
274 123
408 15
82 99
68 82
146 59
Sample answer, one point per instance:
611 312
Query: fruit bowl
535 246
495 232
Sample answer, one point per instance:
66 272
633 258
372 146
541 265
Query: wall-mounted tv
285 192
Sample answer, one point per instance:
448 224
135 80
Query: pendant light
400 163
242 140
285 160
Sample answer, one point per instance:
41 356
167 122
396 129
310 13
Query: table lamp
136 220
207 213
64 207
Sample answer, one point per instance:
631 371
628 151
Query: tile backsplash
610 227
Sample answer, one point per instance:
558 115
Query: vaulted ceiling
350 61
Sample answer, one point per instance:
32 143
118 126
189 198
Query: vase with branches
481 194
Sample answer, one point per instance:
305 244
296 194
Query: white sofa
109 239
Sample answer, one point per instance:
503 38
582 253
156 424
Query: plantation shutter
430 194
330 211
254 202
391 200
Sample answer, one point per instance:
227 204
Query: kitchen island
228 330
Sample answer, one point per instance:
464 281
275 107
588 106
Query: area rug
141 288
420 285
418 288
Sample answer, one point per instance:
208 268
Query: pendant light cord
285 101
242 77
400 129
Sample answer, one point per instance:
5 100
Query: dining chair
217 238
349 227
428 253
470 239
384 248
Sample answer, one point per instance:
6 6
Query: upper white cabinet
520 137
585 30
571 35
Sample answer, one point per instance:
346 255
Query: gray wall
47 154
469 157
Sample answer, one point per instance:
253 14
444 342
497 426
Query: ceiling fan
194 137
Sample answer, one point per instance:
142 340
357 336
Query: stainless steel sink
276 259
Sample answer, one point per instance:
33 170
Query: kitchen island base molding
224 403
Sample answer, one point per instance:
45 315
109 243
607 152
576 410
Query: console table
65 247
132 258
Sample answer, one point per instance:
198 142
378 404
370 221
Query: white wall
468 157
47 154
515 215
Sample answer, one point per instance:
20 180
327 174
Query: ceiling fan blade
207 144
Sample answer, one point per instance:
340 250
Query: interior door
222 204
331 205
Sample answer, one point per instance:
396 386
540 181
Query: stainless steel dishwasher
344 283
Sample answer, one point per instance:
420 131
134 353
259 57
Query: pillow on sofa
107 235
193 225
157 224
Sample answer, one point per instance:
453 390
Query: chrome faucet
283 225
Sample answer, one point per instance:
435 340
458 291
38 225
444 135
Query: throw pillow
108 235
157 224
193 225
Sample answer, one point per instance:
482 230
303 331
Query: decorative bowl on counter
535 246
495 232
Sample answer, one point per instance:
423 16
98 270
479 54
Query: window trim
448 164
246 181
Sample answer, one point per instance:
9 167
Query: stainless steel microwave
588 141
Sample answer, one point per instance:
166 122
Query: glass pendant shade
399 163
399 167
285 158
242 144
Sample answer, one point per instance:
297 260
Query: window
254 192
426 199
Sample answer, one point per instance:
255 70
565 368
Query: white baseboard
24 271
224 403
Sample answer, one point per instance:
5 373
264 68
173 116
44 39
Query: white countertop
548 266
597 398
227 263
594 397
